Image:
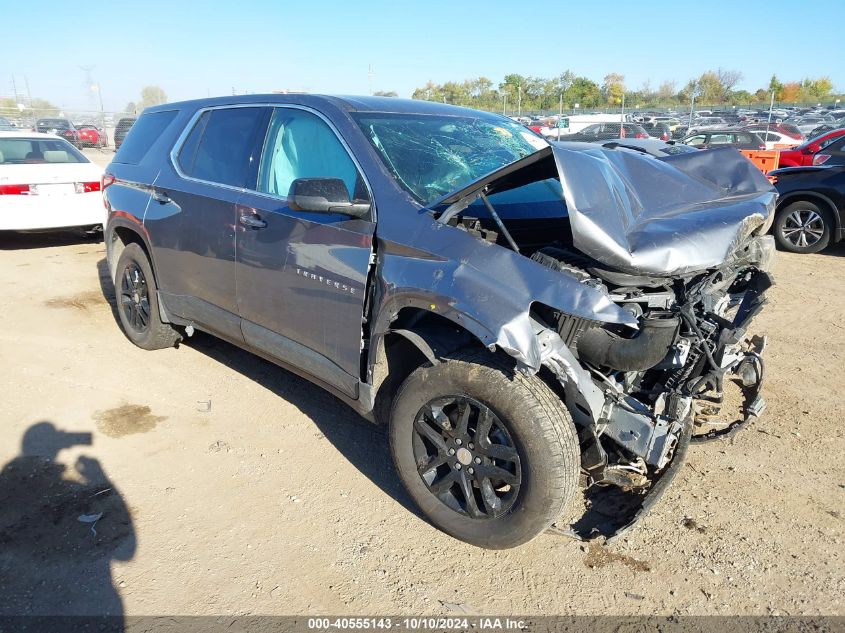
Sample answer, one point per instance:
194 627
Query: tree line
11 107
568 90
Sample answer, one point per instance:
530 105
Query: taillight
86 187
105 180
761 146
641 135
820 159
665 137
14 190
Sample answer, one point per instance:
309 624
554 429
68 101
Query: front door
302 277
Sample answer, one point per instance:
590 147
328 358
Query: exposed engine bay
649 392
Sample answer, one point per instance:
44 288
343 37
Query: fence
26 118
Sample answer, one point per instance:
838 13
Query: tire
803 227
137 302
531 466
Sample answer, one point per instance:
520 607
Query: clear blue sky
192 49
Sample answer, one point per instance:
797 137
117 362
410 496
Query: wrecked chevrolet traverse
544 328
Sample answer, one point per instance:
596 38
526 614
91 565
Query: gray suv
532 322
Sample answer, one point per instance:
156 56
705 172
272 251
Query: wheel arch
119 234
415 336
816 198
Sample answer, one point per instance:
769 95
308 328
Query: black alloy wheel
135 298
466 457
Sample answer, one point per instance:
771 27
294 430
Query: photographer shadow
60 528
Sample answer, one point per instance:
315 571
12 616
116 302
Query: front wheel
803 227
489 455
137 302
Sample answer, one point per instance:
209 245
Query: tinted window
142 135
744 138
60 124
225 147
188 152
301 145
124 124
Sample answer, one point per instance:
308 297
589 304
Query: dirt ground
217 483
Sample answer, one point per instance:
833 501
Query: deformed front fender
486 289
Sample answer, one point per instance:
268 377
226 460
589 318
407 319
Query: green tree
584 92
710 88
613 89
818 89
666 92
775 86
152 95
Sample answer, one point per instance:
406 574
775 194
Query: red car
91 136
805 155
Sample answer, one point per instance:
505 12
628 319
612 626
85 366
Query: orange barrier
765 160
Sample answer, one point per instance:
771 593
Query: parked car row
82 135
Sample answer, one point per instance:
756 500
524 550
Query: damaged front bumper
632 447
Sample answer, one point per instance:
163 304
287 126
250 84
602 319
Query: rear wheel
489 455
137 302
803 227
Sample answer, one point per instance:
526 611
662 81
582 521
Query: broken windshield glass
432 156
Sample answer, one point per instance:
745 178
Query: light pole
769 122
559 114
692 105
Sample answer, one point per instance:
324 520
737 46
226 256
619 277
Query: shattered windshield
433 155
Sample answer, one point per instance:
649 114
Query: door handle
252 221
161 197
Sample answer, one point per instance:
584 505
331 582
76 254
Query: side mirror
324 195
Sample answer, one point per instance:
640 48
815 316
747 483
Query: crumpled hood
674 215
640 214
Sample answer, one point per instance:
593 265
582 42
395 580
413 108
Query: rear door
302 277
193 214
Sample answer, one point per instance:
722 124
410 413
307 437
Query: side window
224 145
301 145
188 153
828 141
696 140
719 139
142 135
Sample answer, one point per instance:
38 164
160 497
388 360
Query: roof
344 102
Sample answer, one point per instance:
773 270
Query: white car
772 139
46 183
